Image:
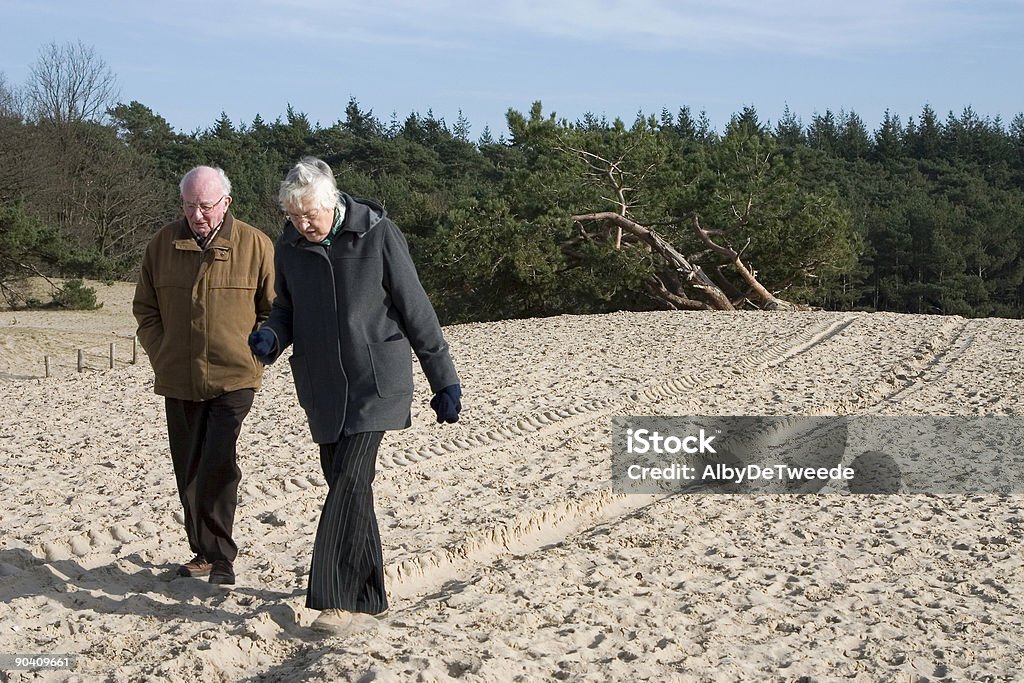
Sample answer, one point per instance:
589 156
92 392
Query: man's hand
447 405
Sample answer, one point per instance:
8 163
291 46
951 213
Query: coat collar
361 215
185 238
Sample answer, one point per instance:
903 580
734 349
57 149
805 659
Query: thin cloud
795 26
799 27
791 26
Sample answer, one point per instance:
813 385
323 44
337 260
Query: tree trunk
691 274
766 299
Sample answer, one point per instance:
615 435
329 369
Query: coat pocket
392 367
303 385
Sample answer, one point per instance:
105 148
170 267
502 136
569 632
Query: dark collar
360 216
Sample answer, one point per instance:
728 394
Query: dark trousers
202 436
347 570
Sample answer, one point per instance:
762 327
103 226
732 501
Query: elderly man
349 299
206 283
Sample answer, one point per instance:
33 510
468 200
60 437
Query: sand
510 556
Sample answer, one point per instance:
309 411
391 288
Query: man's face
204 203
311 220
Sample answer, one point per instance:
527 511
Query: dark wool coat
355 313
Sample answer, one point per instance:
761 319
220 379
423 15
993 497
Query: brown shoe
197 566
222 572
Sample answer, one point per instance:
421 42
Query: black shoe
222 572
197 566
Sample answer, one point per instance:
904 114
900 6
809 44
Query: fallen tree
691 288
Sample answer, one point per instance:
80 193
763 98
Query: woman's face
311 220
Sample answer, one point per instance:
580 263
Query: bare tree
612 172
10 104
12 142
69 83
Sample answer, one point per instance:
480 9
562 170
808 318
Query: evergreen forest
922 215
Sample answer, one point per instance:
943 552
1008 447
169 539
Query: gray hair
310 179
198 169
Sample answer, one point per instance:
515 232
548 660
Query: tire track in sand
551 523
555 521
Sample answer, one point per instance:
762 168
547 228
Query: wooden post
111 355
81 360
134 352
46 364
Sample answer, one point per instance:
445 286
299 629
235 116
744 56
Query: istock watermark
828 454
648 441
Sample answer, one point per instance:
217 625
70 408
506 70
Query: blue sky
191 60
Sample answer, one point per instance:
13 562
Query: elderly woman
349 300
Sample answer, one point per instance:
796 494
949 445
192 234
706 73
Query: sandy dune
509 556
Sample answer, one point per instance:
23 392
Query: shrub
75 296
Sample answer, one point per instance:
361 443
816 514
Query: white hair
197 169
311 179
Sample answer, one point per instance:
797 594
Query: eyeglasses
308 217
205 209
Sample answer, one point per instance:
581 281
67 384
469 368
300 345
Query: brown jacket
196 308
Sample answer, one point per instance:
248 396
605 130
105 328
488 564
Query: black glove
262 342
447 405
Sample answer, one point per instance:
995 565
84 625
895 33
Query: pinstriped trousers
347 569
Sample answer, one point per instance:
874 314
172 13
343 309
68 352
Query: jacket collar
361 215
223 237
222 240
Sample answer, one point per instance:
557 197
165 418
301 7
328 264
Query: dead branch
674 300
691 274
768 300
